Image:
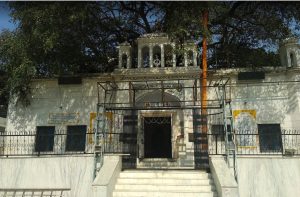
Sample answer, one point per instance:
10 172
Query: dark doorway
157 137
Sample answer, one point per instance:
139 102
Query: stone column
128 61
185 59
140 58
151 56
162 56
174 60
174 55
120 60
195 57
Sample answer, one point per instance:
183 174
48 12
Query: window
190 58
124 61
179 60
76 138
270 137
44 139
168 53
145 57
292 58
218 131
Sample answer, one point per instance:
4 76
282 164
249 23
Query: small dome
125 44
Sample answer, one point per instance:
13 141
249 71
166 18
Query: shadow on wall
49 97
272 102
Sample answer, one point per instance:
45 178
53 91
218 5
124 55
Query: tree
233 26
59 38
16 67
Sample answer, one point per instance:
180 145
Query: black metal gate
200 141
129 140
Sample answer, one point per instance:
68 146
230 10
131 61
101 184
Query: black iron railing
62 143
285 143
120 143
35 192
57 143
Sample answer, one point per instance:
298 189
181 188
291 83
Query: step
165 188
165 174
164 183
125 193
167 181
170 171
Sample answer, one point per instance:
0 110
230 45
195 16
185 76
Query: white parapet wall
263 176
106 179
70 172
224 180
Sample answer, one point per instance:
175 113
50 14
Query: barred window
76 138
270 137
44 139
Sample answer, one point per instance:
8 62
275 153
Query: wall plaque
62 118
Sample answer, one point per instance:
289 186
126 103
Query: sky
5 20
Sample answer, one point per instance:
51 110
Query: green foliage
183 20
16 65
241 56
59 38
236 29
64 37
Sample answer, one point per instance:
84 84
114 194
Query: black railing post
216 140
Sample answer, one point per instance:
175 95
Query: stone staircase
164 183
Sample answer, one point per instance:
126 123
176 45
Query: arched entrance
158 128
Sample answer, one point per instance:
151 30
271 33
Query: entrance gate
129 141
157 138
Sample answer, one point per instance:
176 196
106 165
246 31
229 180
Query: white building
144 118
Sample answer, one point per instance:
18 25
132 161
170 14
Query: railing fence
34 192
285 143
62 143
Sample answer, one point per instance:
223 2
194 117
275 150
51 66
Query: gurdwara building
145 130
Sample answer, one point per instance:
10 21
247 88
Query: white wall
274 103
74 172
276 177
271 101
49 97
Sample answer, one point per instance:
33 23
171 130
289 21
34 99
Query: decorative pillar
128 64
151 56
174 60
140 58
174 56
162 56
194 57
185 59
120 60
